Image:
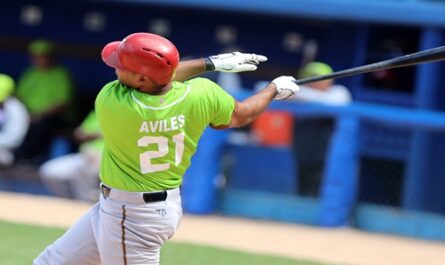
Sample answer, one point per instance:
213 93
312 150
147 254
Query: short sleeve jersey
150 139
40 90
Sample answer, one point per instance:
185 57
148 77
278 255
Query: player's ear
141 79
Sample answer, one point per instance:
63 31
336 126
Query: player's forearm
190 68
253 106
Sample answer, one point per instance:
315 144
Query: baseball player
151 126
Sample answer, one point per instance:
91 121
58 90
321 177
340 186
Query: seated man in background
312 135
45 88
14 121
77 175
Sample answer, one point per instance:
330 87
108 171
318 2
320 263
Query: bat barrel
431 55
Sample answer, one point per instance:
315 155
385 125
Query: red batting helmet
144 53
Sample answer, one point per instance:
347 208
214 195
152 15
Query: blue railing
337 205
394 116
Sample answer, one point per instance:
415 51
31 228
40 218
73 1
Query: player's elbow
242 116
236 123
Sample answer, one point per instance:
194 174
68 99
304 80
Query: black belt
157 196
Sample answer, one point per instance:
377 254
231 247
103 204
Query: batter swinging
151 126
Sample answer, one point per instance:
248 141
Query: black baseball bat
430 55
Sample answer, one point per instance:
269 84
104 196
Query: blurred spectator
46 90
14 121
325 91
77 175
312 135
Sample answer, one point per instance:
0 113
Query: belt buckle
105 191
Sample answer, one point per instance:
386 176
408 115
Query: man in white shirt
14 121
325 92
313 134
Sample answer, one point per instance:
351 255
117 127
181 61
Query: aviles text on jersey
166 125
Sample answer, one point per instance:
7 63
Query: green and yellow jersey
149 140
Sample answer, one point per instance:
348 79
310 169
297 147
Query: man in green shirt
151 127
45 89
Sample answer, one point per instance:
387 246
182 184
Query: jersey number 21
162 142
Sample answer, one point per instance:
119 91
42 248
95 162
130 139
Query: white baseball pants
121 229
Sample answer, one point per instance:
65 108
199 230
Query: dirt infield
336 246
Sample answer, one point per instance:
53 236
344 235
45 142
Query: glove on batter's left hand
234 62
286 87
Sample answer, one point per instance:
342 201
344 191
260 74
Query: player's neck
155 89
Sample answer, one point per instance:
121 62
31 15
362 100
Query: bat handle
309 80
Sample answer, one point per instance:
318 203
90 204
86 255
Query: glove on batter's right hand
236 62
286 87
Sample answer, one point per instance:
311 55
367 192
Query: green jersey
90 125
149 140
40 90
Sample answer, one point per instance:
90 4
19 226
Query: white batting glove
234 62
286 87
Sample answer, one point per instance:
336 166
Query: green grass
190 254
20 243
